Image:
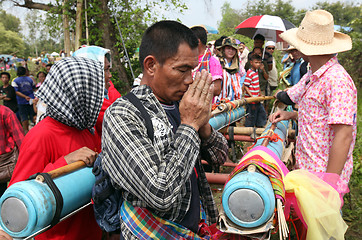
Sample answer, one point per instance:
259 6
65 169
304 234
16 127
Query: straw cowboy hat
229 41
316 35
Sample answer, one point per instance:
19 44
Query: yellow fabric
319 204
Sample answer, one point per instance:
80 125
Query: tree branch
36 5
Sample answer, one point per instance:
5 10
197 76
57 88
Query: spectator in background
287 60
256 113
207 61
217 45
24 94
243 54
48 66
7 93
233 75
295 73
41 77
262 71
11 136
273 73
267 57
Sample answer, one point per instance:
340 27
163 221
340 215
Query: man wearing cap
273 73
327 99
233 75
299 66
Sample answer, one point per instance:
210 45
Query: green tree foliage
10 42
230 19
10 22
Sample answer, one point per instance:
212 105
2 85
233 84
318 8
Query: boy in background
256 113
7 93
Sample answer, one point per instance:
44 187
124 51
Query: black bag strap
137 103
57 195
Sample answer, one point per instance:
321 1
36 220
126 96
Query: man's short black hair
49 65
200 33
21 71
261 49
218 42
163 39
255 57
41 72
259 37
5 73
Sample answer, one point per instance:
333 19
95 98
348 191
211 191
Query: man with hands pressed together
162 179
327 100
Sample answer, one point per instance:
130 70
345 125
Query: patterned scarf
73 91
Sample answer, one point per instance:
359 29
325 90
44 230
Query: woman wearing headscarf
74 93
102 55
233 75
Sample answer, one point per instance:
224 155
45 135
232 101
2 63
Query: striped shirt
252 82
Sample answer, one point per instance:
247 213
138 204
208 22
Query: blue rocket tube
224 119
29 206
277 147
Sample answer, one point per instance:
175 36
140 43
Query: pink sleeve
215 69
341 100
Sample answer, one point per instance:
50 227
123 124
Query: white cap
269 43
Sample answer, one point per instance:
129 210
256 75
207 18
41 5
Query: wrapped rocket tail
33 206
224 119
255 188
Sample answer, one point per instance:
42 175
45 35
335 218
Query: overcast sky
197 12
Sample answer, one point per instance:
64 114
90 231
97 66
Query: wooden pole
227 106
250 130
269 134
63 170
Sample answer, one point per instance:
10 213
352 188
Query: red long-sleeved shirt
11 132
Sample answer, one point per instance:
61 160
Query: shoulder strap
137 103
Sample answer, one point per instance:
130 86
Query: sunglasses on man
270 48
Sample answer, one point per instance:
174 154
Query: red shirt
113 94
43 149
11 132
252 82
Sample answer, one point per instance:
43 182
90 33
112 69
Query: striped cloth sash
145 225
270 169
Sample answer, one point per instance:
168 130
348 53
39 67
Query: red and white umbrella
268 26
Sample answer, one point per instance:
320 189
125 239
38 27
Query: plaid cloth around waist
145 225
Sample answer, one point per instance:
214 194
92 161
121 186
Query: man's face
41 77
270 49
48 68
5 79
257 51
258 43
241 48
107 73
172 79
295 53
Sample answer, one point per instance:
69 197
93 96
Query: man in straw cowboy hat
327 99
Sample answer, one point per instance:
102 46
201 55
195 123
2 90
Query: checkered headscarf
73 91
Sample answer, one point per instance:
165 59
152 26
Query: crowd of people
163 184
